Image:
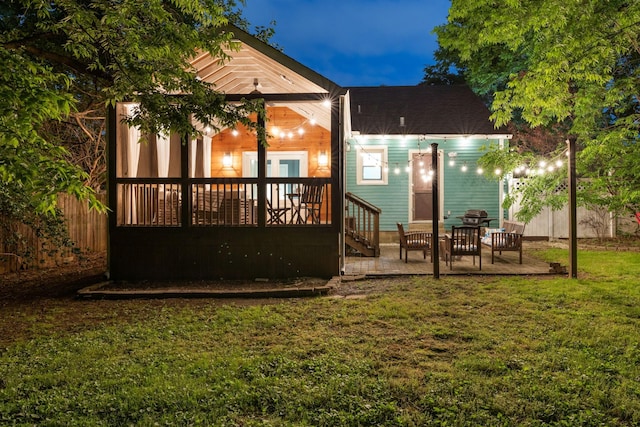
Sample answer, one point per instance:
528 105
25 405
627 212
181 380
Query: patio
389 263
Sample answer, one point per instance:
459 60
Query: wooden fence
87 230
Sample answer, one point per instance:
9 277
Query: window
372 166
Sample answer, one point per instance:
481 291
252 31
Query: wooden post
435 239
262 172
573 228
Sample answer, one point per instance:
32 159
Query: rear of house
389 154
225 206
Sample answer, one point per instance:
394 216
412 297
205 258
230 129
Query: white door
280 164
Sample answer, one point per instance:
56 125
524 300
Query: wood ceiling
249 65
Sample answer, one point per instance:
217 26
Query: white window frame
361 153
275 157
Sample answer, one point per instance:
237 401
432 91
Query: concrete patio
389 263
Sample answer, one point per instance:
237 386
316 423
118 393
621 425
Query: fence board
87 230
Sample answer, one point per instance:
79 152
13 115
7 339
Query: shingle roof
427 110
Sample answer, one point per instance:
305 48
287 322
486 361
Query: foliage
64 62
137 51
455 351
32 169
557 63
444 71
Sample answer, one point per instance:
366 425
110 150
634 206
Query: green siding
462 190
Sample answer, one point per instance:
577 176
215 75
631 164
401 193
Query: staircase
362 226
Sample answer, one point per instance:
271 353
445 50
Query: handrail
362 202
362 224
223 201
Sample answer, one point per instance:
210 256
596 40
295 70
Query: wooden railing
362 225
160 202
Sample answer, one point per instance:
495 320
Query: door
421 188
280 164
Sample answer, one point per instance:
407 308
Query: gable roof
255 59
427 110
275 73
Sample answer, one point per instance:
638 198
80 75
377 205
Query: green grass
458 351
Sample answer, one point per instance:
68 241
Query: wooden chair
509 240
414 241
276 215
169 208
463 241
311 203
205 205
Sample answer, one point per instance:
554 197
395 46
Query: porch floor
389 263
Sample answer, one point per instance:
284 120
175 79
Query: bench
507 239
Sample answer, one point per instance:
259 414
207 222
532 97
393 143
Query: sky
355 42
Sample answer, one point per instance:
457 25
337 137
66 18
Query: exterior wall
459 190
468 190
229 253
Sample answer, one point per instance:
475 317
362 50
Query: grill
474 217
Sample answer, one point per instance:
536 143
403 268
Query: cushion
486 239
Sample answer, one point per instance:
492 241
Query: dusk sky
355 42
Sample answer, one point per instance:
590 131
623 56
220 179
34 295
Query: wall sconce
323 159
227 160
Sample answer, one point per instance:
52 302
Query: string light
539 167
277 132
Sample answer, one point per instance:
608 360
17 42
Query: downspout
343 190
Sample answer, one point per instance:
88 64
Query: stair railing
362 222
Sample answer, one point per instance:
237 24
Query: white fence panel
555 224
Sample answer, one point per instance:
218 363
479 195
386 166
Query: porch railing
212 202
362 225
149 202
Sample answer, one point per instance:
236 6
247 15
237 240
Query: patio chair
508 239
463 241
205 206
276 215
414 241
311 203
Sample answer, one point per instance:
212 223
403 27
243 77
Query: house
389 154
224 206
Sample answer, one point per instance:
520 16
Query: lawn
394 352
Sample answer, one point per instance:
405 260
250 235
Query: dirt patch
53 282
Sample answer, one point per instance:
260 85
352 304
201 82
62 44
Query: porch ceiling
238 74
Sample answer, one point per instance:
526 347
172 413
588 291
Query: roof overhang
255 66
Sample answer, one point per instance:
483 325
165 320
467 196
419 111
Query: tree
63 62
572 65
32 169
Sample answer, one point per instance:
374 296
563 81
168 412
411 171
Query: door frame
440 186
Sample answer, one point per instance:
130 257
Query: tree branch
67 61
